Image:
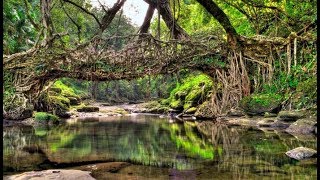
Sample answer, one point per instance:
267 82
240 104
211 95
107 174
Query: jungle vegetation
271 50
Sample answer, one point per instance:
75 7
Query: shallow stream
158 147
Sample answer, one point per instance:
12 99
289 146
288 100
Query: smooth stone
52 174
302 126
301 153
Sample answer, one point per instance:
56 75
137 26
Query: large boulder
301 153
258 104
302 126
291 115
16 107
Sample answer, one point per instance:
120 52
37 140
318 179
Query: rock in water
53 174
301 153
302 126
290 115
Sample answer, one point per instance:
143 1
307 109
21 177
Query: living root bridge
108 59
105 59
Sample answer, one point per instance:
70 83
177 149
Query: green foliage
19 34
43 116
263 100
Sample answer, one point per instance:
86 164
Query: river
157 147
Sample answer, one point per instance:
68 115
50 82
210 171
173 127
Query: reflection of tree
221 136
19 149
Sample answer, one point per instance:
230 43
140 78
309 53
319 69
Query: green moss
165 102
257 104
121 111
63 102
43 116
64 90
191 110
176 104
306 94
152 104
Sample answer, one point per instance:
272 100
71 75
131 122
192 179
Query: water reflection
206 149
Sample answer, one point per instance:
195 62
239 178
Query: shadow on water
201 149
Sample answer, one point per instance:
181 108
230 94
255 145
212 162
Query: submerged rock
280 124
301 153
266 122
52 174
302 126
290 115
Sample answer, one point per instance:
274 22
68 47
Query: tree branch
84 10
110 14
74 22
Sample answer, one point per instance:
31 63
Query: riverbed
149 147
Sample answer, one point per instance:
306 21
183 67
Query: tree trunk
222 18
165 12
147 19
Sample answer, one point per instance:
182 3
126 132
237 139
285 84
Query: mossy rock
61 100
121 111
177 104
160 110
191 110
74 101
194 95
44 117
291 115
165 102
16 107
267 115
204 111
152 104
56 90
258 104
180 95
88 109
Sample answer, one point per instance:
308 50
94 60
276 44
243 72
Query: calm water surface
158 148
